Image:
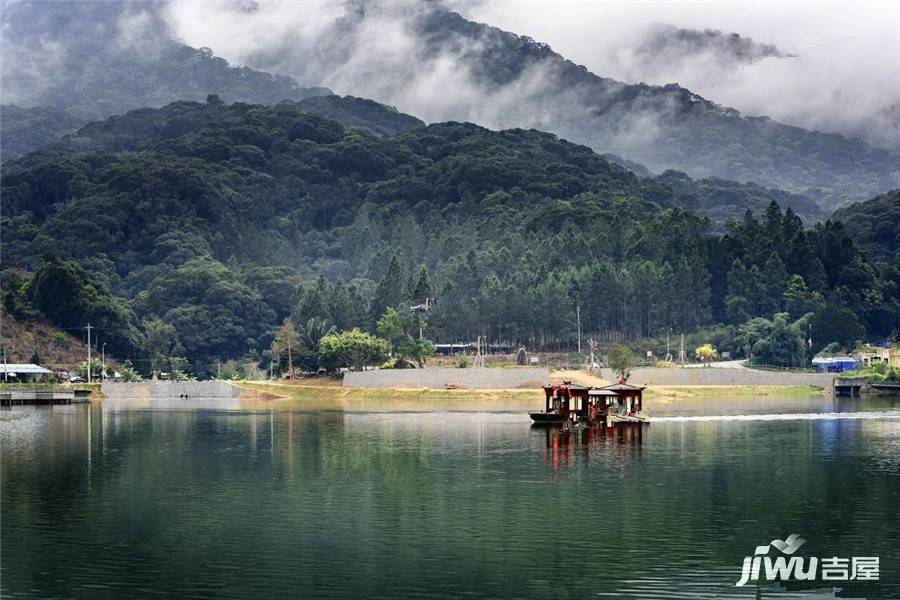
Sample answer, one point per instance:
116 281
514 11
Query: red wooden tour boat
569 403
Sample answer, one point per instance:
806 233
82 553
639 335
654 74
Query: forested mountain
24 129
96 59
218 219
875 225
721 200
140 129
360 113
716 198
498 79
690 133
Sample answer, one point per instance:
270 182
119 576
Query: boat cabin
565 398
565 401
629 397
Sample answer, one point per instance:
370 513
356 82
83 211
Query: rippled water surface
225 499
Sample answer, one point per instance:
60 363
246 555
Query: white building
24 373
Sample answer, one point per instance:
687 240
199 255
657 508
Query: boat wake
827 416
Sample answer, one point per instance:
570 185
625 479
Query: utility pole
478 361
103 363
89 327
681 351
2 341
578 319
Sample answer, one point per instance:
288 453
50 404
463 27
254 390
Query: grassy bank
736 391
311 391
317 390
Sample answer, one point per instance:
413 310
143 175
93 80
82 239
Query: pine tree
314 302
422 288
390 290
798 300
774 278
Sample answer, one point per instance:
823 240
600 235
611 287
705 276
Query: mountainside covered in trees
24 129
217 220
689 133
95 59
502 80
875 225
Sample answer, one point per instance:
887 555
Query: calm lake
238 499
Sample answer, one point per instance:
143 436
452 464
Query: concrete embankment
170 389
513 378
714 376
36 394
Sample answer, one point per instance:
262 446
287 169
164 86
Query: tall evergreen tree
775 278
422 288
390 290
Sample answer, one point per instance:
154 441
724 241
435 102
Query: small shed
834 364
24 373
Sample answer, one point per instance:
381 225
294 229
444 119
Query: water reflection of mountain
263 504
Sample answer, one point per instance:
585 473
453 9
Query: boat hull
542 418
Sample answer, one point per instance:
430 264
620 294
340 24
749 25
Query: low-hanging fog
844 76
836 66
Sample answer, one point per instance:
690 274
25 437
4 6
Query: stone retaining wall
170 389
471 378
716 376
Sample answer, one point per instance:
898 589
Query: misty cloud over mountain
439 66
425 60
845 77
96 59
665 45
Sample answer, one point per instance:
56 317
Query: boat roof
571 386
623 387
602 392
